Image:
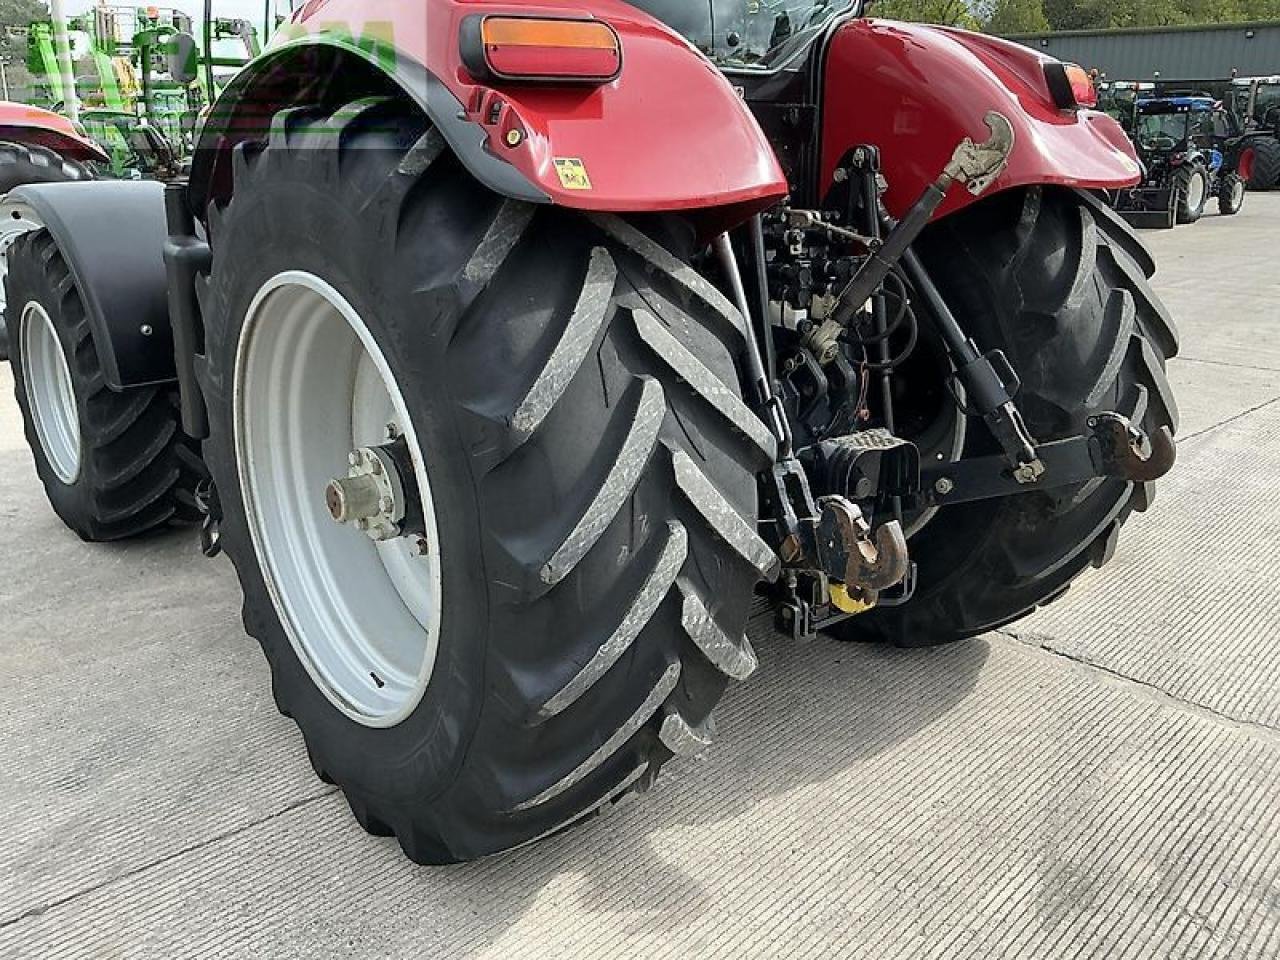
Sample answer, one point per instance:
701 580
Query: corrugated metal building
1140 53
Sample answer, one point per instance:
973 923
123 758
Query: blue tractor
1190 153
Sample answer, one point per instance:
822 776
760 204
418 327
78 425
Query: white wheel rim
10 230
311 385
1195 192
49 392
1237 193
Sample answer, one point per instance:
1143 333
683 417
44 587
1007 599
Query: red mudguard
23 124
669 134
915 91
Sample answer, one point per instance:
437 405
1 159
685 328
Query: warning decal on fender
573 173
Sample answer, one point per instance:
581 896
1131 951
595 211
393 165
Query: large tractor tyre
1231 195
1190 192
1058 282
1261 158
577 467
21 164
114 465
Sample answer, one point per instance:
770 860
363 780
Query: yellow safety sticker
573 173
844 602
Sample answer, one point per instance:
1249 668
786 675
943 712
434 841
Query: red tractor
526 343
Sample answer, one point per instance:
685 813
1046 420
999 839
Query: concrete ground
1102 780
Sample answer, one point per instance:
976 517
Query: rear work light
1070 86
539 49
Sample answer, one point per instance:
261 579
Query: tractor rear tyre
114 465
21 164
1057 281
1261 159
565 598
1231 195
1190 192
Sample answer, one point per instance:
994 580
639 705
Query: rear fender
916 91
668 134
20 123
111 234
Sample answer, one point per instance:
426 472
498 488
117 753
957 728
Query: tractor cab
746 35
1165 127
1119 99
1255 102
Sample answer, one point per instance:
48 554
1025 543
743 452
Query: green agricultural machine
148 71
136 112
1254 102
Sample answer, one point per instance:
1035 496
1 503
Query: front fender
669 133
111 234
916 91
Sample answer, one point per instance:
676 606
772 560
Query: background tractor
525 351
37 146
1189 154
1255 108
1119 99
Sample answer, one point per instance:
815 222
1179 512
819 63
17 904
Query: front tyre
1190 192
565 558
1058 281
1231 195
114 465
1261 159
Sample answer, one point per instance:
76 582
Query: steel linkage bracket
1113 448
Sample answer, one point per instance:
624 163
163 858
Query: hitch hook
977 165
872 560
1129 453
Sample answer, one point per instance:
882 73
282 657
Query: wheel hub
372 495
338 499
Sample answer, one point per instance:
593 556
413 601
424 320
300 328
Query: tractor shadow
812 713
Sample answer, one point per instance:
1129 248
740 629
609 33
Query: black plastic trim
112 235
467 139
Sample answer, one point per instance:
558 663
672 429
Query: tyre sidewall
283 228
69 500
